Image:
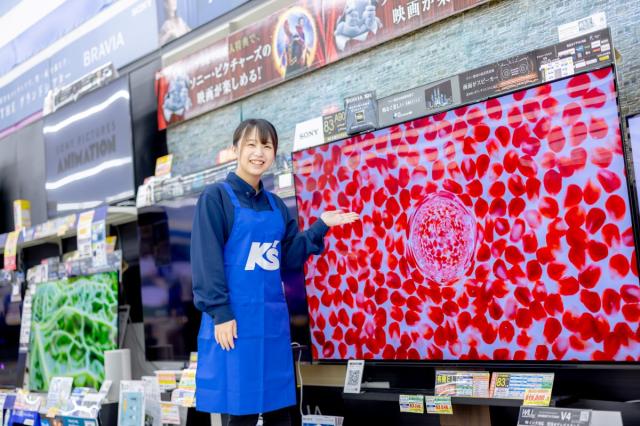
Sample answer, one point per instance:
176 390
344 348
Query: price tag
84 233
412 404
170 413
514 385
538 397
462 383
163 165
353 379
193 360
166 380
438 404
188 380
10 250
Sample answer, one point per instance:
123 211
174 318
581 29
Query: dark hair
266 131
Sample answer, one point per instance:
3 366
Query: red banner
355 25
289 43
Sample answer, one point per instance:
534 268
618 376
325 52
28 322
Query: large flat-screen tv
633 125
10 313
495 231
88 151
171 320
74 321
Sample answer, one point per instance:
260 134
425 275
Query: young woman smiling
242 237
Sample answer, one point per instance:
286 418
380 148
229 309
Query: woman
241 237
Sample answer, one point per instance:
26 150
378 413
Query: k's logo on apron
265 255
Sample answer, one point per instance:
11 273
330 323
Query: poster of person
296 41
175 19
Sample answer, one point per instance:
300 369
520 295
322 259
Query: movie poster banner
355 25
297 39
279 47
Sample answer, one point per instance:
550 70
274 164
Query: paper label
539 397
319 420
163 165
188 380
84 233
353 379
438 404
193 360
170 413
514 385
462 383
10 250
412 404
166 380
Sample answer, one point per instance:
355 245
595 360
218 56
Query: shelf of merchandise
393 395
115 216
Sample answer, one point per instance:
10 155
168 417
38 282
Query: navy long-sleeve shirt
212 225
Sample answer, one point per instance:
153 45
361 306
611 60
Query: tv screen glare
492 232
88 151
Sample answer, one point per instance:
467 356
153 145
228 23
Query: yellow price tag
537 397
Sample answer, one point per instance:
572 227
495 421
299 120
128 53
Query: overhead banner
299 38
49 29
124 38
178 17
279 47
355 25
24 96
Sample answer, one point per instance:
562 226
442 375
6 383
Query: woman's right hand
225 333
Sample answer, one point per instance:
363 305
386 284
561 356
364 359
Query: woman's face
254 157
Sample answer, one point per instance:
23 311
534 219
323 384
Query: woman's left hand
338 217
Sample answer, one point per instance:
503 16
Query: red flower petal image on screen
496 231
442 237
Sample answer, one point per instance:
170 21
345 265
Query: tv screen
496 231
88 151
170 317
9 338
633 124
74 321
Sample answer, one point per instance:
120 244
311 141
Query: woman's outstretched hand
338 217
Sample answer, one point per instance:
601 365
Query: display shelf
393 395
48 232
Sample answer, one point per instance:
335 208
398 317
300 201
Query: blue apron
256 376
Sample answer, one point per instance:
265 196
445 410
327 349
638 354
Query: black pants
273 418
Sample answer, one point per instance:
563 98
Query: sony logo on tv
309 133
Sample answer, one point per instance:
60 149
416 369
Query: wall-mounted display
88 151
496 231
633 124
74 321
